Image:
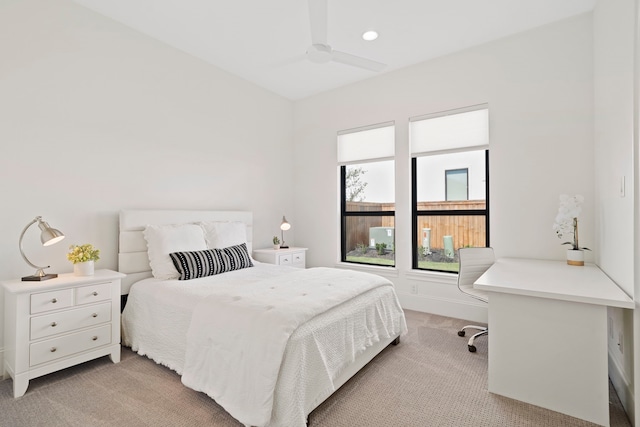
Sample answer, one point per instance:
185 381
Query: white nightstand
293 257
58 323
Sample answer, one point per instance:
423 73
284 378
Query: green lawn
442 266
367 260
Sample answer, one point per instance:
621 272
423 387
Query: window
450 186
367 196
457 184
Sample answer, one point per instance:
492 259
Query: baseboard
444 306
622 387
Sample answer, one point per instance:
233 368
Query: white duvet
263 369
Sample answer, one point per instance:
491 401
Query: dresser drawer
285 259
298 259
56 348
53 300
64 321
93 293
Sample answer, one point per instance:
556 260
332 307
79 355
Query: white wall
614 36
539 87
96 118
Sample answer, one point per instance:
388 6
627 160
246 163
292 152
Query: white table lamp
284 226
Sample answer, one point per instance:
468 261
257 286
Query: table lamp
284 226
48 236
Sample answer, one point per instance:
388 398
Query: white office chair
473 262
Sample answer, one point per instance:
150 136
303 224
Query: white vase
575 257
83 268
276 247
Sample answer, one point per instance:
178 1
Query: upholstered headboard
132 248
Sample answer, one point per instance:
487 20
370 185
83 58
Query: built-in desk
548 334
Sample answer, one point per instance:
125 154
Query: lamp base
36 278
284 247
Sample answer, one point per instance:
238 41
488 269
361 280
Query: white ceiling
264 41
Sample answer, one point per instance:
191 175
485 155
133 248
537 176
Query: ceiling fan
320 52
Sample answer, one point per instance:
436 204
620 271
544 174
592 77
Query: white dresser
293 257
58 323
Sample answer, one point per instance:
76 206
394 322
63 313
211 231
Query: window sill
423 276
382 271
433 276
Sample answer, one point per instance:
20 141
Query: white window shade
365 144
450 131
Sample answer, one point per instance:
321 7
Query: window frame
415 213
344 214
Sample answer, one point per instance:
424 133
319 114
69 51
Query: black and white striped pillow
192 265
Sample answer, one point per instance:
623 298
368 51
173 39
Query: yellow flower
83 253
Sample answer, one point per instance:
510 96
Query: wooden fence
465 230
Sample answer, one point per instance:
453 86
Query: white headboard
132 247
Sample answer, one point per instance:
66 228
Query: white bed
318 357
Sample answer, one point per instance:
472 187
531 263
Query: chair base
483 331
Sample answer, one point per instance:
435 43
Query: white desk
548 334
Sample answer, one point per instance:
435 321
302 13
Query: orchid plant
566 223
83 253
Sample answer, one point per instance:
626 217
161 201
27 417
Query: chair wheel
472 348
460 333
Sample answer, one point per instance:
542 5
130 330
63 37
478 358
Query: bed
268 343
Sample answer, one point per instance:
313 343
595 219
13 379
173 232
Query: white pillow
223 234
165 239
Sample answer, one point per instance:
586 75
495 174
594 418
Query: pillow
223 234
164 239
196 264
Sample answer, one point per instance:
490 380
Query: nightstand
293 257
58 323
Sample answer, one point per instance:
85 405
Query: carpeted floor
430 379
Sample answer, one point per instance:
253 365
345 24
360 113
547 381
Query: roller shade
365 144
450 131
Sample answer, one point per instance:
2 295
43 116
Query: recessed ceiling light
370 35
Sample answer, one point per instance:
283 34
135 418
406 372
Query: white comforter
236 342
158 315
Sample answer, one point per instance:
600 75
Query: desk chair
473 263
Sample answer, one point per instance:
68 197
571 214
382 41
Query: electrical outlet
414 288
620 341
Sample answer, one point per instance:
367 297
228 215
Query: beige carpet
430 379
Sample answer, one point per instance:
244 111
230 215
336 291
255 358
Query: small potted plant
83 257
276 242
566 226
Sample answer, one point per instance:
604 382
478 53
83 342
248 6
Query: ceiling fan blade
318 21
289 61
357 61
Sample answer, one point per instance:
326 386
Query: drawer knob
94 338
95 294
55 300
94 315
53 349
54 324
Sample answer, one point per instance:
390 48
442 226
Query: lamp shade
49 235
284 226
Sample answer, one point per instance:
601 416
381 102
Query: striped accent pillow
192 265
